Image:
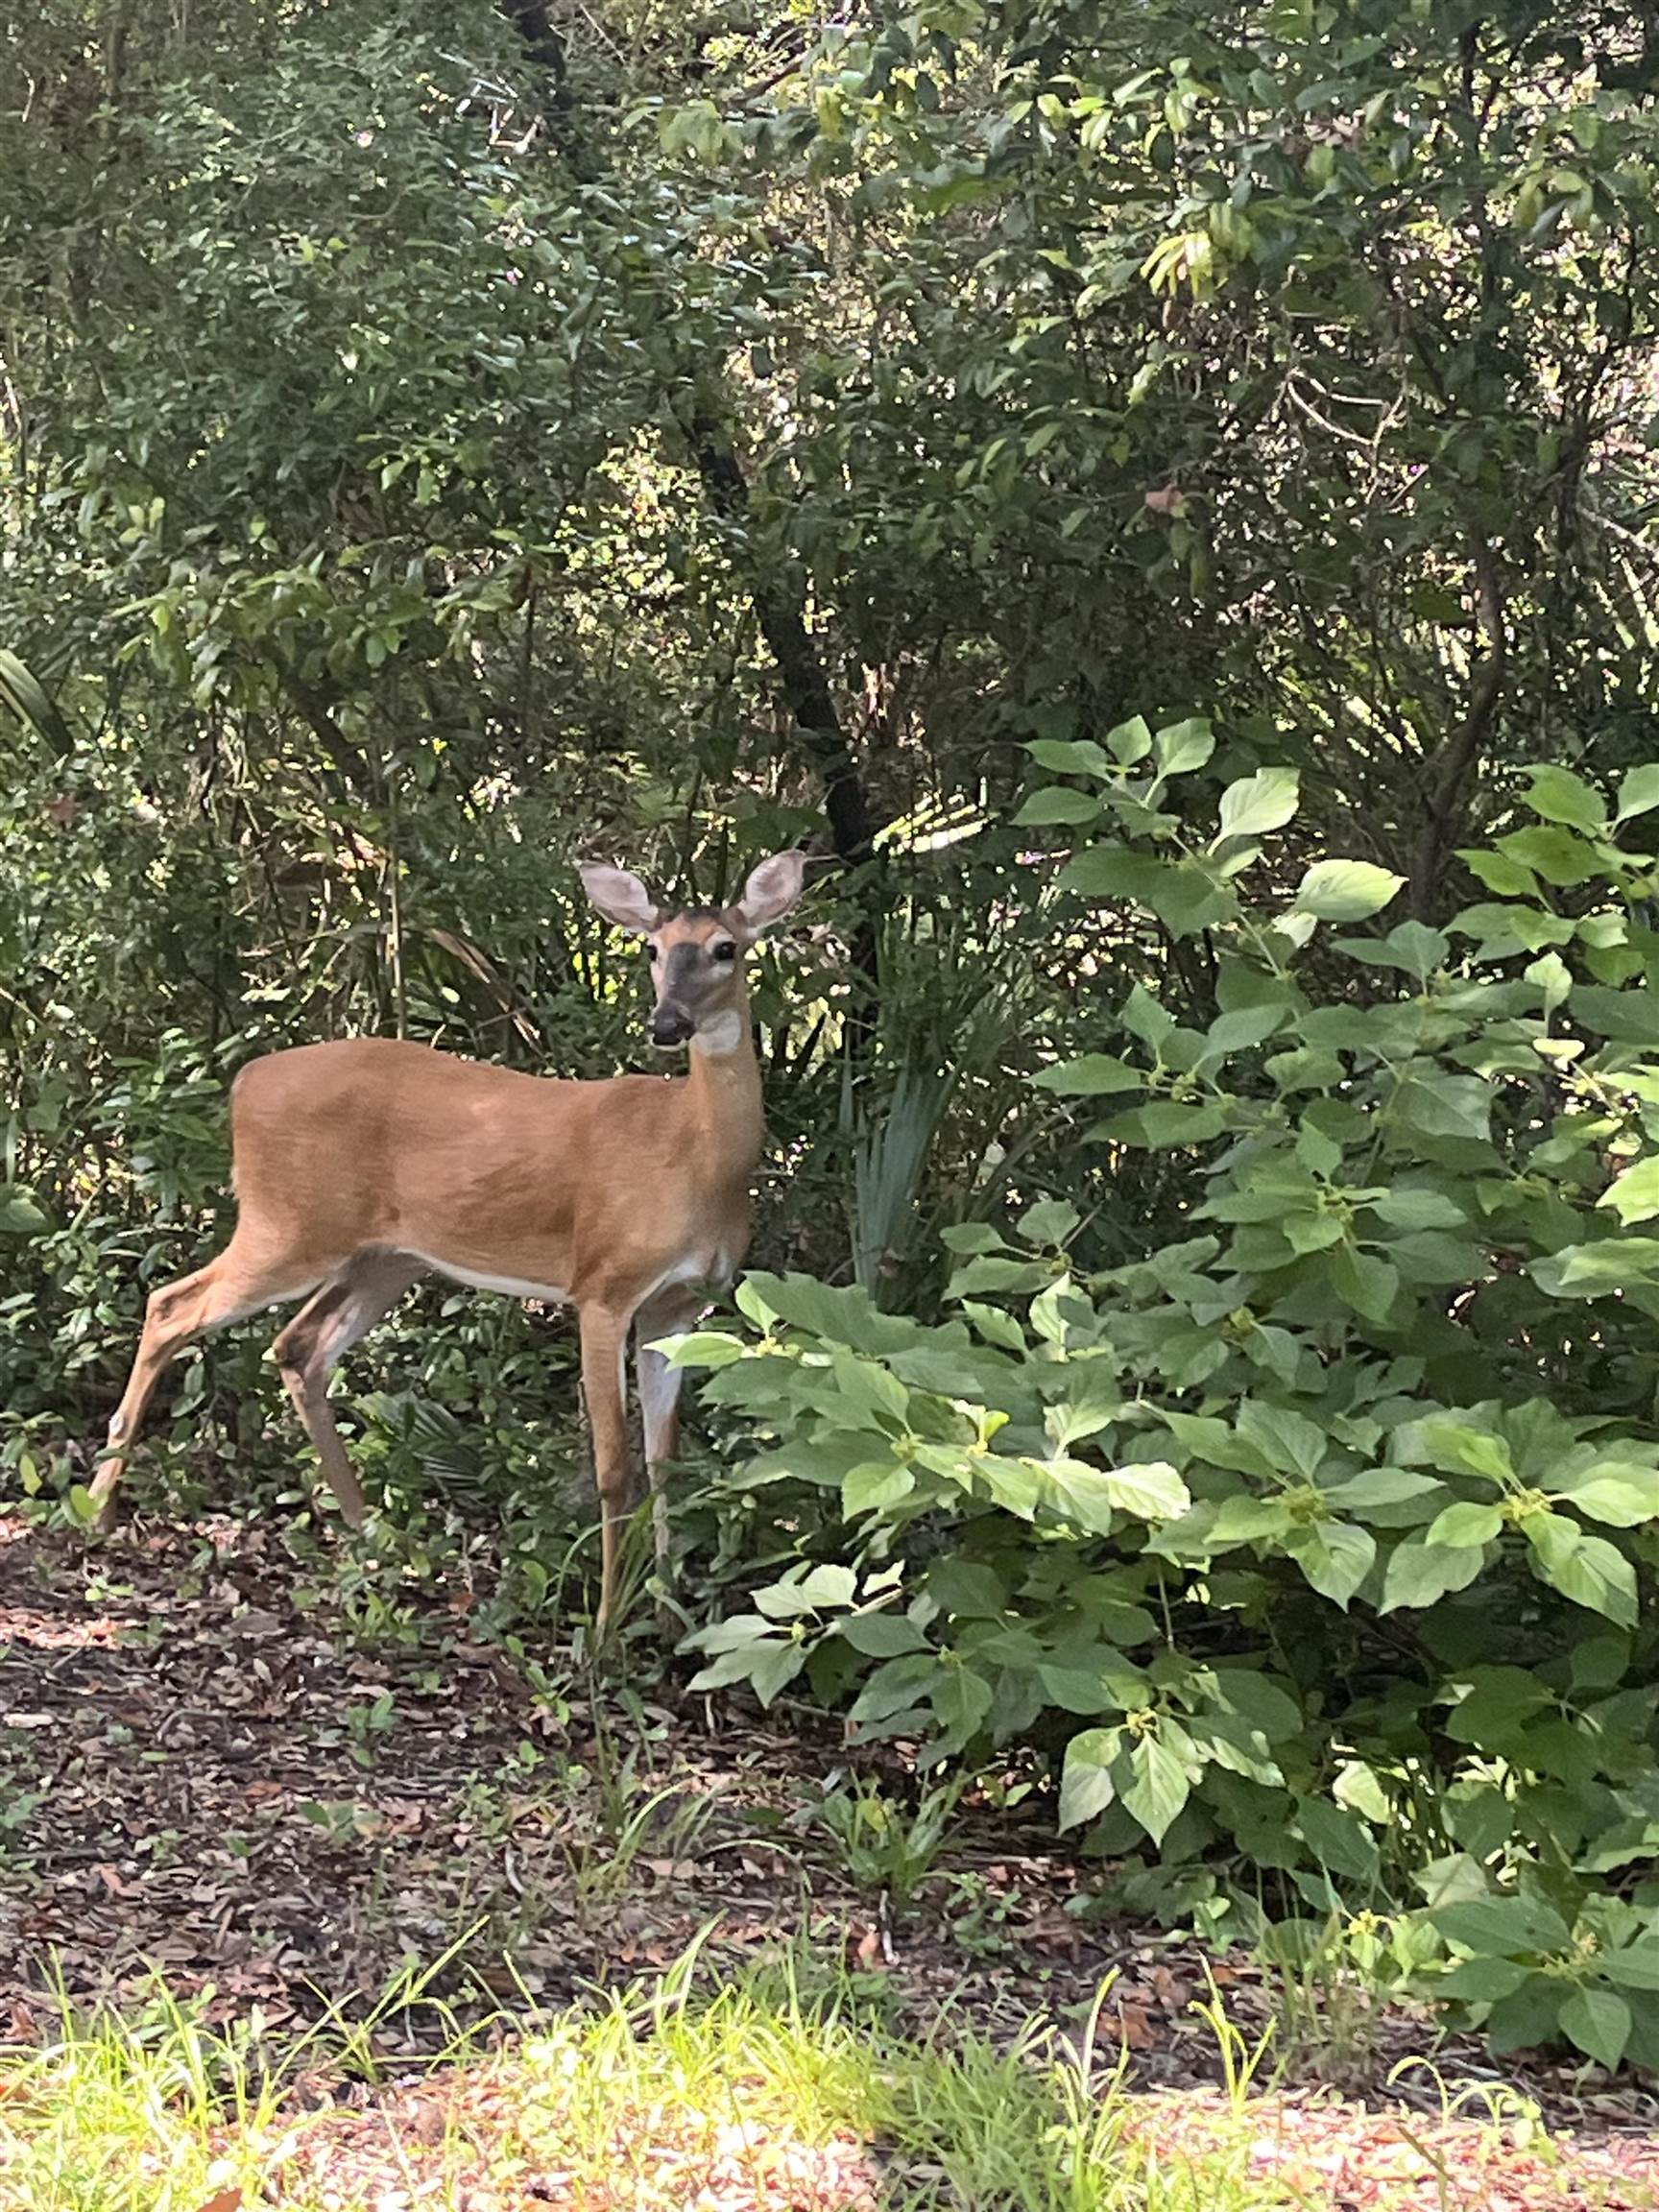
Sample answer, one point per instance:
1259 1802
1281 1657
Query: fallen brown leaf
871 1953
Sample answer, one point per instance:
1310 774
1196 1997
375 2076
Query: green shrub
1311 1544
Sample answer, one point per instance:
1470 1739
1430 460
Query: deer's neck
723 1092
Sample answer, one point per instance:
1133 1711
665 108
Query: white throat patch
722 1036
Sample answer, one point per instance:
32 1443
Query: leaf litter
187 1795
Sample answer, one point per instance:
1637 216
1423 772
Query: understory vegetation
1161 503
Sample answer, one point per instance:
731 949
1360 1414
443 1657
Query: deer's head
697 952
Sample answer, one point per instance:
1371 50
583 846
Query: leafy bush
1312 1541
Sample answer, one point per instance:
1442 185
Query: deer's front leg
665 1315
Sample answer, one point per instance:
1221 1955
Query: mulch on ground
206 1776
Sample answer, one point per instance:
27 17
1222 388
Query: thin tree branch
1444 807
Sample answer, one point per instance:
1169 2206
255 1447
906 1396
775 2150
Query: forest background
1162 501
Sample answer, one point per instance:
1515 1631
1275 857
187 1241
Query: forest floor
397 1872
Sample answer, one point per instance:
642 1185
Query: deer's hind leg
604 1385
176 1315
318 1337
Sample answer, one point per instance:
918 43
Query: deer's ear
619 897
772 889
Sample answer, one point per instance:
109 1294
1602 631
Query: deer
362 1165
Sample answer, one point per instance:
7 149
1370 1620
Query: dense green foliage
436 444
1328 1516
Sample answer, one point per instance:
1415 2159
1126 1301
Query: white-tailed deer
361 1165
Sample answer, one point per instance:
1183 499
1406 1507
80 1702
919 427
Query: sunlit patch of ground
1479 2155
746 2101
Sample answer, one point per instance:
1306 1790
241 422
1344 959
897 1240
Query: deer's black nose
670 1026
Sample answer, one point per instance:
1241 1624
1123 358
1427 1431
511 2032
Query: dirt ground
210 1774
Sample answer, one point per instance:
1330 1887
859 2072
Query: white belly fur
713 1267
509 1284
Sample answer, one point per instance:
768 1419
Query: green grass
644 2101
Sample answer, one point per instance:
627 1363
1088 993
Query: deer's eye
726 952
651 953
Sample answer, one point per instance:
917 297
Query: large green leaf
1507 877
1558 855
1070 756
1086 1784
1411 946
1158 1787
1148 1492
1187 897
1634 1196
867 1395
1085 1494
1288 1440
896 1686
1504 1926
701 1348
1482 1981
19 1214
1636 1966
1587 1568
1465 1523
1184 895
1166 1125
838 1315
1638 792
988 1272
1335 1556
1361 1280
1256 803
1560 796
1458 1444
883 1635
1420 1573
1597 2021
1432 1104
1413 1207
1529 2016
1102 1682
963 1700
1225 1741
1222 1443
1145 1017
1051 1221
1150 1489
1597 1270
1090 1075
1262 1702
1384 1487
1183 747
1338 1839
1346 890
1617 1491
873 1485
1248 1521
1057 802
